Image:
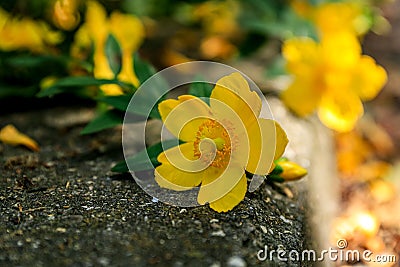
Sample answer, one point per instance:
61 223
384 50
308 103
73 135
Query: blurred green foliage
64 60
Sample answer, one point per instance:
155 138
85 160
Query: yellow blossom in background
218 17
219 20
332 77
25 34
221 142
356 156
348 16
127 29
332 17
66 14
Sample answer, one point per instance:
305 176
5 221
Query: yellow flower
25 33
127 29
218 17
332 17
332 77
222 140
66 14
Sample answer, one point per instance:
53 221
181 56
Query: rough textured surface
62 206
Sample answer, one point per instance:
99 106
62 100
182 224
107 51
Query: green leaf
277 170
8 90
140 161
119 102
65 84
275 178
201 89
120 167
30 61
143 70
114 54
105 120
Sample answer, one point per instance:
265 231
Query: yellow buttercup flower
127 29
332 77
222 140
25 33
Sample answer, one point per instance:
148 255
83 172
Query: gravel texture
63 207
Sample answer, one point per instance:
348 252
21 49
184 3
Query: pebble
183 211
104 261
264 229
285 220
61 230
236 261
218 233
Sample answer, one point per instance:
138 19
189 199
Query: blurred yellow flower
219 21
127 29
218 17
332 77
222 141
66 14
357 158
333 17
25 33
349 16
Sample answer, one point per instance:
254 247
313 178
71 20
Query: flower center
219 142
213 131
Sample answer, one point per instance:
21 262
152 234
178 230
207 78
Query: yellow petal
183 117
340 50
301 98
341 16
340 112
167 176
299 54
182 157
369 78
234 91
218 182
267 143
233 198
127 74
82 42
96 22
102 70
10 135
130 35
